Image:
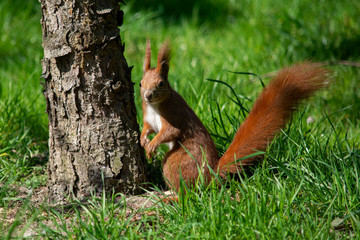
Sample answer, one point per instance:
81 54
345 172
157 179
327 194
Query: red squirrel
191 148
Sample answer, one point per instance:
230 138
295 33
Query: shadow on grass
201 11
338 47
348 48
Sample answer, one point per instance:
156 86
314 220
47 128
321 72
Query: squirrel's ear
147 60
163 60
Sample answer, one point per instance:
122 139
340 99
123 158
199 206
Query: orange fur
191 148
271 111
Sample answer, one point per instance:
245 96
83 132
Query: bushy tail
270 113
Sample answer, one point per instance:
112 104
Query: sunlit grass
310 174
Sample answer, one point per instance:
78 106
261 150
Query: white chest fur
153 117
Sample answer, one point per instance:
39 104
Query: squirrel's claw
144 141
150 149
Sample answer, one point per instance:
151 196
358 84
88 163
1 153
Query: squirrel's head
154 85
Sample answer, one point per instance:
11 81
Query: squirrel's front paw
144 141
150 150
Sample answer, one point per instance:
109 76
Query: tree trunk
92 119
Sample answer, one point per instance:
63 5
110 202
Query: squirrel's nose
148 96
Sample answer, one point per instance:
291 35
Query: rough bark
90 103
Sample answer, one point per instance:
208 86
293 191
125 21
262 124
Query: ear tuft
163 60
147 61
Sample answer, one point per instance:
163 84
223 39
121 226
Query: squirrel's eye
139 84
161 84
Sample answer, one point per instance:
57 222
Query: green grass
310 175
23 124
